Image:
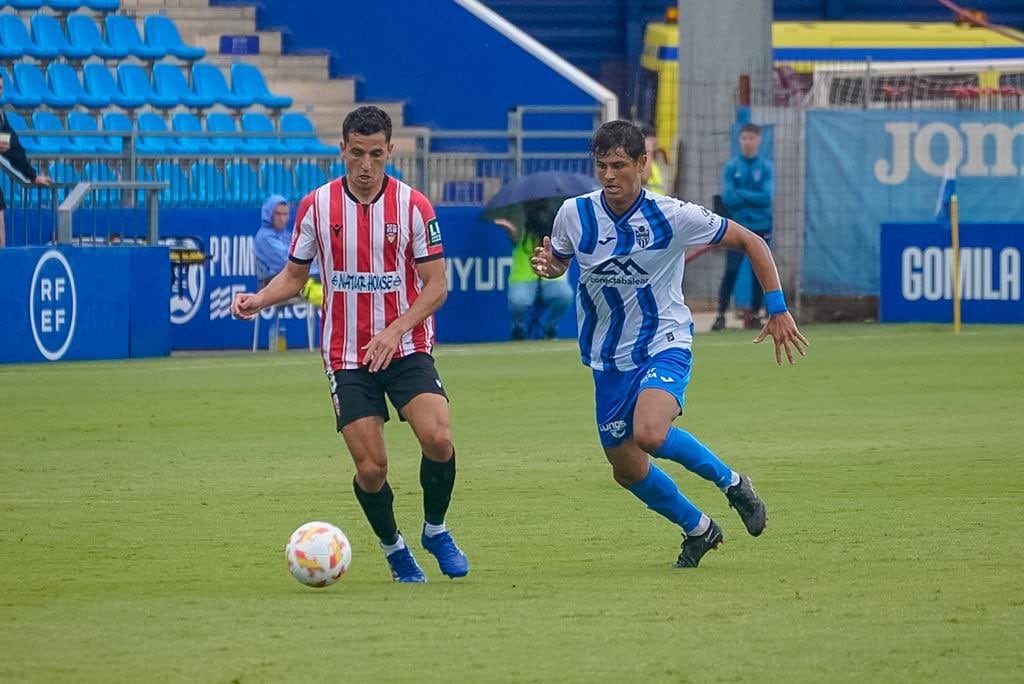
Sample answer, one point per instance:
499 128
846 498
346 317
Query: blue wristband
775 302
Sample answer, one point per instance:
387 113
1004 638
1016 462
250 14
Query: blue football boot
449 557
404 567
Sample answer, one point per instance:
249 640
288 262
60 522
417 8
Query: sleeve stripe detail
563 257
721 232
300 261
429 257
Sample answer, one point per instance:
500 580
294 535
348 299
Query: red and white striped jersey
367 255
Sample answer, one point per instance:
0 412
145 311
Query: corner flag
947 212
947 191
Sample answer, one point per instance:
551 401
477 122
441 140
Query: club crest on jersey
643 236
391 231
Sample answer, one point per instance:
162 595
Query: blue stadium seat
63 6
208 81
259 123
275 179
135 83
29 142
13 96
103 5
154 123
64 83
189 123
242 183
247 81
80 121
218 122
31 84
178 194
120 123
169 81
308 177
122 31
17 42
100 171
63 172
100 82
162 34
25 4
45 121
299 123
207 184
46 31
83 33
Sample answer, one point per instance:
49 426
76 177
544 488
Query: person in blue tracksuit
747 191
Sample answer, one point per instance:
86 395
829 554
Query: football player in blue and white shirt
635 329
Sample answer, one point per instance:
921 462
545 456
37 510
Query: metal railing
451 167
75 199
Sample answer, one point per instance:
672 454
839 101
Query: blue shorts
616 392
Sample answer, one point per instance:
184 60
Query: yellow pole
954 224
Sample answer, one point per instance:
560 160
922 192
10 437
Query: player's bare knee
649 437
371 475
437 444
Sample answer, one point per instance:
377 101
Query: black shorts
359 393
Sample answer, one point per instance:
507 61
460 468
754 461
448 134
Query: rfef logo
52 305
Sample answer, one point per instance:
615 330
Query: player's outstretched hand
784 332
381 348
245 306
544 263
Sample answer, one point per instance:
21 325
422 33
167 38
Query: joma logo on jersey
620 267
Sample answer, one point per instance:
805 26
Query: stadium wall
452 70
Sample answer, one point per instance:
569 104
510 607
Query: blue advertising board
866 168
478 259
77 303
917 267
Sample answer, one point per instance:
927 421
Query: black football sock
438 480
380 511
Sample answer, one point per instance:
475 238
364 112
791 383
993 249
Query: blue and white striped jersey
629 303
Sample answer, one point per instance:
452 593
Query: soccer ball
318 554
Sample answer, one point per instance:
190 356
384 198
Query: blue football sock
683 448
661 495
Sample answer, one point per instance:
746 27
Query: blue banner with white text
917 273
478 258
79 303
866 168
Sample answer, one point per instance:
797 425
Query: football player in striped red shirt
378 245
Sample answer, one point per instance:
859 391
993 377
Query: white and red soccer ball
318 554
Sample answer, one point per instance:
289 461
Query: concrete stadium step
327 118
163 4
194 11
278 67
318 92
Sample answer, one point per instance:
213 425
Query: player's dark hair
615 134
751 128
366 120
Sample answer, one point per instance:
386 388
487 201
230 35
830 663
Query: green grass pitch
144 508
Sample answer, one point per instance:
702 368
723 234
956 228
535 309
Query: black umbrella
554 185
